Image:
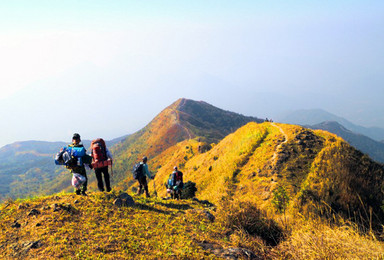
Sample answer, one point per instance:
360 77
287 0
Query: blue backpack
171 181
70 155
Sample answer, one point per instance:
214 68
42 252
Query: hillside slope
317 169
183 120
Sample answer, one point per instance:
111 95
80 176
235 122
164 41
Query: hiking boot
147 195
78 192
84 194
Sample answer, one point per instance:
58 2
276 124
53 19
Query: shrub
245 216
280 199
189 190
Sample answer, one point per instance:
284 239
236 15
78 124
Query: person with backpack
76 165
140 173
175 183
101 158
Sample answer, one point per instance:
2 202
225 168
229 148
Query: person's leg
140 186
99 178
107 179
85 185
145 184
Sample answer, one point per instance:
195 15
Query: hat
76 136
175 168
145 158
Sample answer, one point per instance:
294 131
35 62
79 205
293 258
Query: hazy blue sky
106 68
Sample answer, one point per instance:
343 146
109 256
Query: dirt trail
274 158
177 119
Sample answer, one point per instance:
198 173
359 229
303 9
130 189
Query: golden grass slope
317 169
75 227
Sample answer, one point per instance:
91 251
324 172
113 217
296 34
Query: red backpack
99 150
179 176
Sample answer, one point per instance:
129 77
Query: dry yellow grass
316 240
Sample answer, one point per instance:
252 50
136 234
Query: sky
106 68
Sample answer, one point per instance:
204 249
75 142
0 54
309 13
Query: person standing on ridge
101 159
142 178
76 167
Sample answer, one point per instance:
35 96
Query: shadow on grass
172 205
205 203
150 208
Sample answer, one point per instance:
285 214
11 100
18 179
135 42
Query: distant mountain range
32 150
365 144
27 168
317 116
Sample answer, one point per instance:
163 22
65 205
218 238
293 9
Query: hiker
142 177
101 159
77 166
175 183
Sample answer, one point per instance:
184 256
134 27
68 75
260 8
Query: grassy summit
318 170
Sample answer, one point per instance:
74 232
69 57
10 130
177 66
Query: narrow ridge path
180 125
274 158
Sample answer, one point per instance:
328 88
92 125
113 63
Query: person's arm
145 166
109 155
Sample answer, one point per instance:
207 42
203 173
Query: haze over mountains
368 140
317 116
365 144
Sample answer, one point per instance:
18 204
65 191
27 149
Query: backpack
99 150
77 153
179 179
171 181
179 176
70 156
62 157
137 170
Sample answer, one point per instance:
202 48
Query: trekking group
75 158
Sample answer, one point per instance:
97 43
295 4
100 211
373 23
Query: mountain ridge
183 120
